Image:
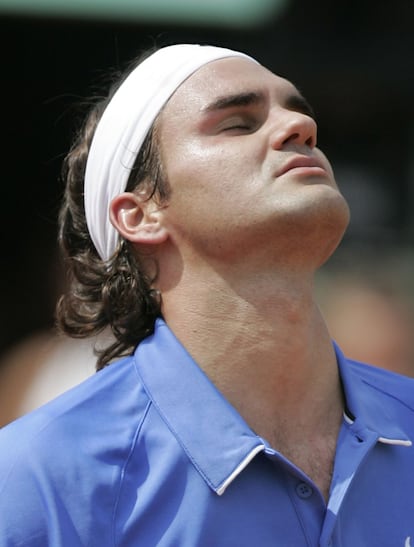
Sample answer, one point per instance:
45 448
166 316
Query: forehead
223 77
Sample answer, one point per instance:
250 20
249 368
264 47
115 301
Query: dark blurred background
353 60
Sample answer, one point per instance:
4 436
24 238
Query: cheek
212 163
209 169
210 188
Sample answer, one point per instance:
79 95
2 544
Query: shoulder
110 399
82 438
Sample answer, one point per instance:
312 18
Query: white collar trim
384 440
242 465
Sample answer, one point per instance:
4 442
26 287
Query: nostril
293 137
309 142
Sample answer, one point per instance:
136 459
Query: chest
315 457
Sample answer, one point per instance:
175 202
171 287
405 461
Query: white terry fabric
124 125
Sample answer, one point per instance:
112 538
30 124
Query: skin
254 211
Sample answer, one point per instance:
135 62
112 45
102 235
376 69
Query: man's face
238 145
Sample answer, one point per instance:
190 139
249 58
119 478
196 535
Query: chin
321 223
327 202
333 222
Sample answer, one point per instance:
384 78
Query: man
235 421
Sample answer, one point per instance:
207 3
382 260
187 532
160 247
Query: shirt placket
354 445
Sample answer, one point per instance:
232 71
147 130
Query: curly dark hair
118 292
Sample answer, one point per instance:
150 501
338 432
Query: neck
262 341
264 344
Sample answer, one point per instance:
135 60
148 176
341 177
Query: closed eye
236 114
237 124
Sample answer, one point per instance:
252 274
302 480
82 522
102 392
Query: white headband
124 125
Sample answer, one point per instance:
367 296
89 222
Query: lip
307 163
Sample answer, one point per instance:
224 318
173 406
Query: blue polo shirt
148 453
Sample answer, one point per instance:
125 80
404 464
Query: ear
137 219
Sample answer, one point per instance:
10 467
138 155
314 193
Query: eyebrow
238 99
295 101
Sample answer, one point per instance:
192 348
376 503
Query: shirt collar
370 403
216 439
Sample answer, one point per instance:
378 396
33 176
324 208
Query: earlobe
137 219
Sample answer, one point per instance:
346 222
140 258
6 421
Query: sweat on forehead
124 125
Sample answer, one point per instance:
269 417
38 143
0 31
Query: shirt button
303 490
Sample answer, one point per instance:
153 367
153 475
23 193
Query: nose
291 127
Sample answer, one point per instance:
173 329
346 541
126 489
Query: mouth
305 165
